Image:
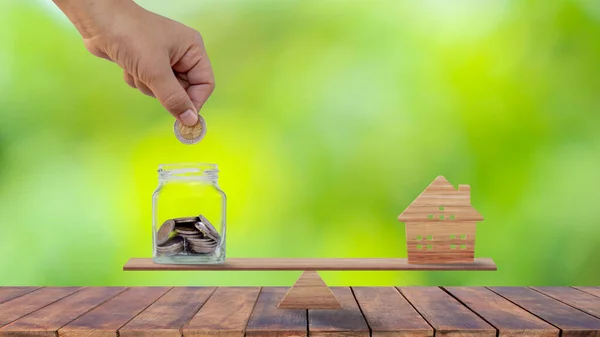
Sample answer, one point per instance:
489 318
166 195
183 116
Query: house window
430 217
429 247
419 247
463 246
452 246
419 238
452 237
452 217
463 236
441 208
430 237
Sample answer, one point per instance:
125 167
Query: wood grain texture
106 319
389 314
225 314
590 290
445 314
167 316
24 305
47 320
268 321
309 292
508 318
432 242
571 321
9 293
441 193
316 264
441 225
346 322
573 297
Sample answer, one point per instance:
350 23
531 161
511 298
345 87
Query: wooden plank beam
573 297
446 315
345 322
507 317
590 290
389 314
317 264
47 320
572 322
24 305
106 319
168 314
268 321
225 313
9 293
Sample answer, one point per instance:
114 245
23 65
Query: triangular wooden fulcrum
309 292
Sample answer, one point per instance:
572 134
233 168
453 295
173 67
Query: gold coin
190 134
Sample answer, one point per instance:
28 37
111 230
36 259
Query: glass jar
188 220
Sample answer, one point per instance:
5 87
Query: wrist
93 17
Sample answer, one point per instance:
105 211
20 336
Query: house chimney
465 192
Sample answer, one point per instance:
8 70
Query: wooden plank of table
47 320
345 322
571 321
389 314
507 317
445 314
168 314
268 321
573 297
318 264
9 293
107 318
590 290
225 313
24 305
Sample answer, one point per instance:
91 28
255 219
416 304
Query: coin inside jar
162 235
190 134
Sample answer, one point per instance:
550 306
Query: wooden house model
440 225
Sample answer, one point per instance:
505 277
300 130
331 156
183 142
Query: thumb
173 97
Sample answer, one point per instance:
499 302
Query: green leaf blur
328 119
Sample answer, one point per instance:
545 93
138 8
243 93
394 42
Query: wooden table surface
251 311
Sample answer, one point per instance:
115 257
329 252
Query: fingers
167 89
196 66
143 88
129 79
137 84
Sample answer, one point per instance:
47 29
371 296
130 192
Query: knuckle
174 100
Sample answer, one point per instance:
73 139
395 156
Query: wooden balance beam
310 291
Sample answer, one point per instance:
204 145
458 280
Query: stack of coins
194 235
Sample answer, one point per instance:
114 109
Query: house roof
440 193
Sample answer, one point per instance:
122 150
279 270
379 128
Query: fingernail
189 118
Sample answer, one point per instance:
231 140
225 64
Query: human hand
160 57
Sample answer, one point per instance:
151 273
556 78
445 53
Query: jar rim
190 169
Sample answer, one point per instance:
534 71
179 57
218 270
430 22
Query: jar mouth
191 170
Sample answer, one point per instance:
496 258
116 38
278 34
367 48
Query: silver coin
205 229
162 235
187 220
174 242
208 225
202 245
190 135
187 231
204 250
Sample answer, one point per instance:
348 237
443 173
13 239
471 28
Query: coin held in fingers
190 134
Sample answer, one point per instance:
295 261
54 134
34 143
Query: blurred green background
328 119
